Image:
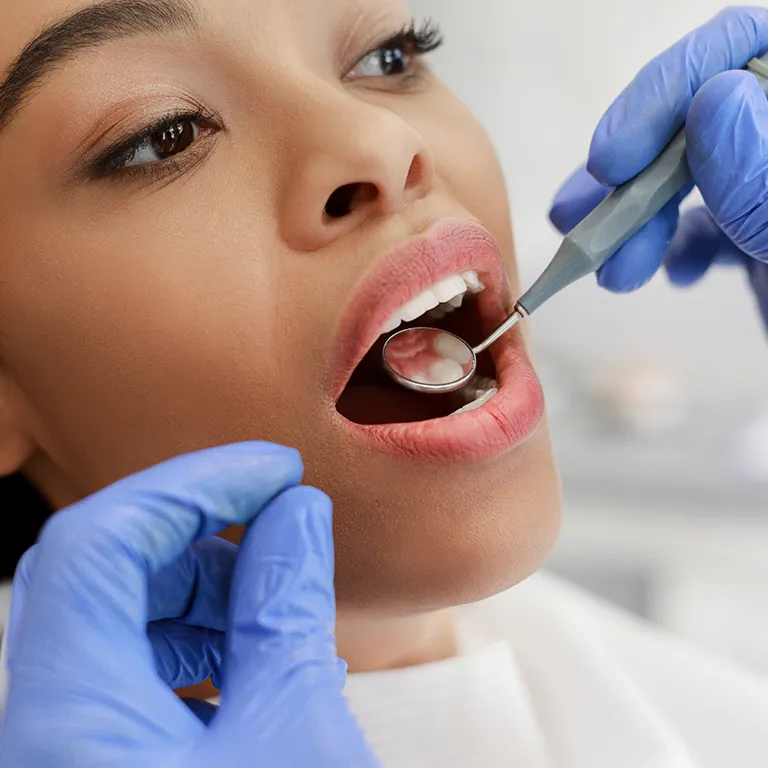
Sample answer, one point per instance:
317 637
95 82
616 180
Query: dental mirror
433 361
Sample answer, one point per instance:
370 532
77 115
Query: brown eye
173 139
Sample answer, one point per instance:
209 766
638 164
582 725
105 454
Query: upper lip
449 247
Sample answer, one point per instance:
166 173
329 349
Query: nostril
347 198
415 173
340 202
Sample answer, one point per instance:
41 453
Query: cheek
155 340
146 340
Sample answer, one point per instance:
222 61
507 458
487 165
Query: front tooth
392 324
418 306
449 288
473 281
457 301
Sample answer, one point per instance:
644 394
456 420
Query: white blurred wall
539 75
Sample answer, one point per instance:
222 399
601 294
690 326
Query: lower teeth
481 396
477 387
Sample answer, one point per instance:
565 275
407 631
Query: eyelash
112 163
415 40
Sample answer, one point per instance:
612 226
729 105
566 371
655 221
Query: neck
370 644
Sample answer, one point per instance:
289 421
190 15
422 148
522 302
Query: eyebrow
84 30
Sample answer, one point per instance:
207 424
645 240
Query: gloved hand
116 603
727 135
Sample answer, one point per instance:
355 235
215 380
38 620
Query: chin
413 537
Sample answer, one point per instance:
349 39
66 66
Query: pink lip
511 416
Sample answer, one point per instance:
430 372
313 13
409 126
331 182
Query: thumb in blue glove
89 682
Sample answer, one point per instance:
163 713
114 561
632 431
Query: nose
352 162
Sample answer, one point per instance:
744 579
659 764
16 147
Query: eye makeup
167 134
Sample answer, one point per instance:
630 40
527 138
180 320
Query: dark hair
22 514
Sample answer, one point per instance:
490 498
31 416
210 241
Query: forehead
24 20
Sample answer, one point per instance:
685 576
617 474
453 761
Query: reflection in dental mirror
437 362
429 359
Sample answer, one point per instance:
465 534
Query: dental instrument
446 363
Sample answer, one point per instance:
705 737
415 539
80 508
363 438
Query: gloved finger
19 593
283 605
638 260
697 245
283 676
654 106
95 558
727 134
194 588
188 605
186 655
578 197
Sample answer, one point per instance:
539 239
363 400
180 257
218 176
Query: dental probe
447 363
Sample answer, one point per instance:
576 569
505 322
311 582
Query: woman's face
210 210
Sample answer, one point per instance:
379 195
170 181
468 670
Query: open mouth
453 304
451 278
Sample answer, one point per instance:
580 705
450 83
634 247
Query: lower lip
501 425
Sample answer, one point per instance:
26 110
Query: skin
140 320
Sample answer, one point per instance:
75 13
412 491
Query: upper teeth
443 297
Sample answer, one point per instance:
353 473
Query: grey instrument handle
621 215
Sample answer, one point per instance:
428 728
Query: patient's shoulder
545 603
544 600
555 627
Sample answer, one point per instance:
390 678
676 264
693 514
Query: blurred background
658 401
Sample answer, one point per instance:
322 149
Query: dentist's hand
727 134
127 595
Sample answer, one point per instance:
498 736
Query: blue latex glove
116 604
726 117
